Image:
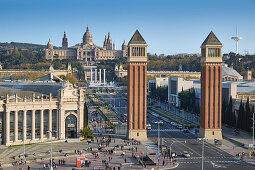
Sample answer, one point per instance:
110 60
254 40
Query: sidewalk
234 144
241 138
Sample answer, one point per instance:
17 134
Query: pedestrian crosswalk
150 146
215 157
196 162
164 130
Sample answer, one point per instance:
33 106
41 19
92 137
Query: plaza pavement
96 163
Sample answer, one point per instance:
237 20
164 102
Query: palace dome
50 45
87 37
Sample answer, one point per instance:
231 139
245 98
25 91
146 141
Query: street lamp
50 132
253 131
203 139
160 122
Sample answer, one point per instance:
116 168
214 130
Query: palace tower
211 91
137 88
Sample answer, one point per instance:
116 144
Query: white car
186 154
148 126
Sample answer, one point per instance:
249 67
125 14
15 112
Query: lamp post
50 132
158 139
203 139
253 131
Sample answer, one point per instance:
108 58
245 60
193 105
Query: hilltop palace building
86 52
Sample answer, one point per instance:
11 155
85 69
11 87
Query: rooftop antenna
236 39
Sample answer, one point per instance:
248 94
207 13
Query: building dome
87 37
231 74
50 45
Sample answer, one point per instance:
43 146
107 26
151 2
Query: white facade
175 86
157 82
28 120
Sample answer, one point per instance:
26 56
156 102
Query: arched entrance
71 126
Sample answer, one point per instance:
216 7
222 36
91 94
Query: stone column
104 76
100 75
61 121
16 133
24 125
58 132
33 125
95 75
91 75
7 127
41 124
50 123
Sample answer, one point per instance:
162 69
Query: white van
148 126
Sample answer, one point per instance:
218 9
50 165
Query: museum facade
86 52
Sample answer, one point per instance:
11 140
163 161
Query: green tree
248 116
87 133
223 114
240 115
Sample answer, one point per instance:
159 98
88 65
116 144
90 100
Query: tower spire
64 41
236 38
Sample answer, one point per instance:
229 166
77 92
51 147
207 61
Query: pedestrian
59 162
125 160
28 167
163 163
136 149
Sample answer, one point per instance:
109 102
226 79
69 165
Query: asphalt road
213 156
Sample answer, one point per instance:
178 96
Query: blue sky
168 26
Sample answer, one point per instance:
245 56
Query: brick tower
137 88
211 91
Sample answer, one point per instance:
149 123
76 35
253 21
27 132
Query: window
213 133
137 134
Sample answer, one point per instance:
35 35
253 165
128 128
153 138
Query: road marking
164 130
186 147
195 162
206 158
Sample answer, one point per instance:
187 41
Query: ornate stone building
30 118
211 91
137 88
87 52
